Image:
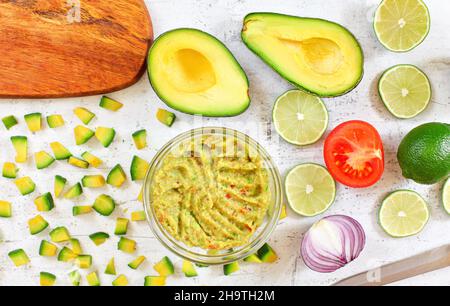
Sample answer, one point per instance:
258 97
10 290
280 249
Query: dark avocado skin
424 154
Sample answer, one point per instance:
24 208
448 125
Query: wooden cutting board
68 48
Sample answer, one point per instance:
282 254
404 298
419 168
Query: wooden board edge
133 81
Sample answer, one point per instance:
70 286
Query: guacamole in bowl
213 195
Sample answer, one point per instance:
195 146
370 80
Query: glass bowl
198 255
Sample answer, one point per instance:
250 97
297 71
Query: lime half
405 90
310 189
402 25
404 213
446 196
300 118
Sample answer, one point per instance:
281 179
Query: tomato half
354 154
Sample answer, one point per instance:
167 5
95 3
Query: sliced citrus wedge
300 118
405 90
310 189
402 25
446 196
403 213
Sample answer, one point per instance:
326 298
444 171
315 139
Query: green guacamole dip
211 192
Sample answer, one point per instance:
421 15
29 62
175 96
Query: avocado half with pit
319 56
193 72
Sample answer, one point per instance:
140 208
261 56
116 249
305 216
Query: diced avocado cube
76 246
105 135
84 114
81 210
59 151
126 245
231 268
139 168
47 249
155 281
55 121
44 202
110 104
104 205
267 254
253 258
165 117
138 216
75 278
66 255
93 160
93 280
60 183
5 209
9 170
34 121
111 268
20 144
121 227
59 234
99 238
120 281
43 160
37 225
189 269
19 257
25 185
84 261
283 214
47 279
141 195
164 267
74 191
79 163
135 264
140 139
82 134
93 181
116 177
9 122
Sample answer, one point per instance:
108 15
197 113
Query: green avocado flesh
316 55
195 73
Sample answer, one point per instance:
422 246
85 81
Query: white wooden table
223 18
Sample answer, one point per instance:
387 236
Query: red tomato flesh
354 154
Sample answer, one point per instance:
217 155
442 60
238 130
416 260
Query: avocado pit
192 71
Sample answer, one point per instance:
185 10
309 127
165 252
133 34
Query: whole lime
424 154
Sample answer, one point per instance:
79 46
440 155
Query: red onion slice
332 243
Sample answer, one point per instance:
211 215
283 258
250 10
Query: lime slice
404 213
310 189
300 118
446 196
405 90
402 25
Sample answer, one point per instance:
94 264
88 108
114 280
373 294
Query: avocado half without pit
193 72
316 55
